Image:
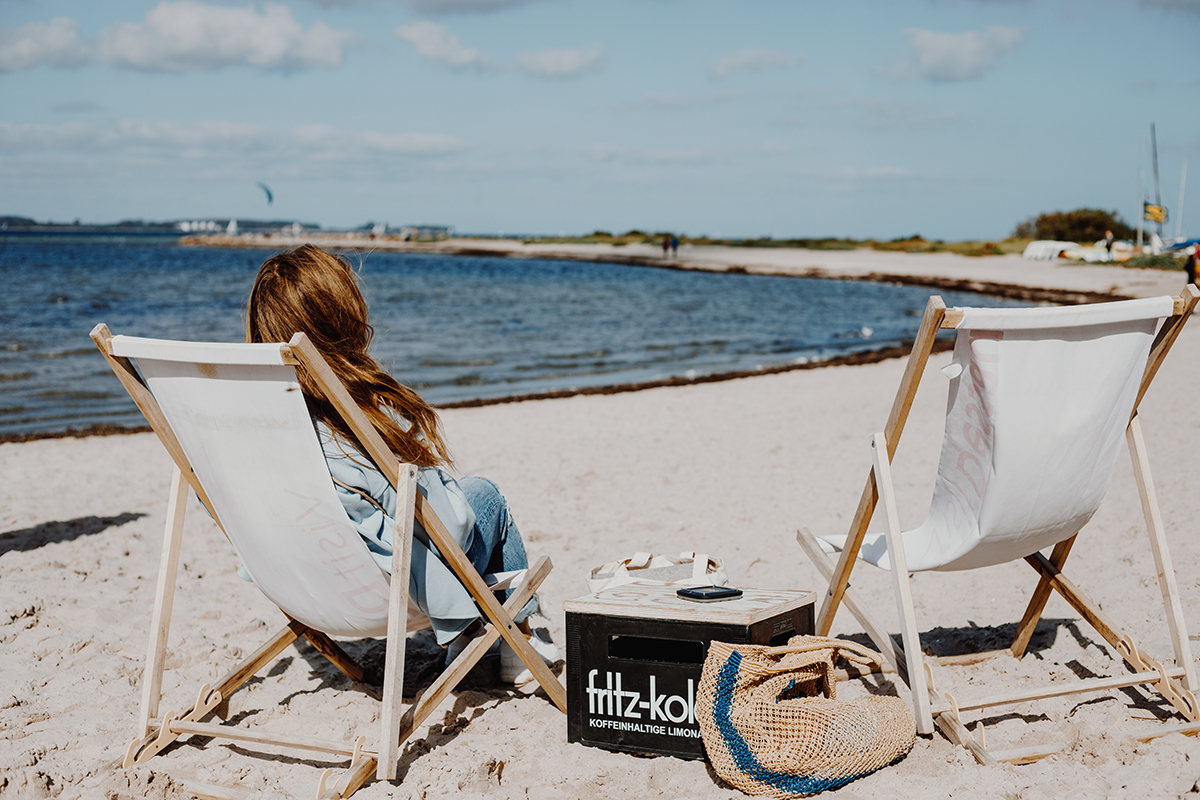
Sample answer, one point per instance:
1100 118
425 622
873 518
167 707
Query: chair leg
931 323
334 653
875 631
489 605
250 665
207 700
1089 610
455 672
393 675
160 627
361 768
1179 696
350 781
904 606
1167 581
1037 603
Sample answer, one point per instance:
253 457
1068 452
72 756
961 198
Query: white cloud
216 139
186 35
332 141
437 43
561 62
956 56
182 36
751 59
56 43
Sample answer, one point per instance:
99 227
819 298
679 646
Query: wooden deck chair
1040 399
234 421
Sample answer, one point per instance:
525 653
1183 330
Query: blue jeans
496 545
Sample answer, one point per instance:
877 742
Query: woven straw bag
768 732
688 569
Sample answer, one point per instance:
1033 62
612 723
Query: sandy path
1059 280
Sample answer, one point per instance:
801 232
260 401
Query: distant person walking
674 245
1108 243
666 244
1189 265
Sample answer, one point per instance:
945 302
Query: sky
955 119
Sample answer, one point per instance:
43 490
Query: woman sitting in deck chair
308 290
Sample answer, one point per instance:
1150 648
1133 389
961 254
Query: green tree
1081 225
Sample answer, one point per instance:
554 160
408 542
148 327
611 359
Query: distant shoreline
634 256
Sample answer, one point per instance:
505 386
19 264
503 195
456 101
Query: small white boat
1047 249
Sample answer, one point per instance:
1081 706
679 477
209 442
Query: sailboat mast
1141 206
1154 160
1179 208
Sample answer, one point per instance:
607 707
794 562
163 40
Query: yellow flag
1154 213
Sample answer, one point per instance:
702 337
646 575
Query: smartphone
708 594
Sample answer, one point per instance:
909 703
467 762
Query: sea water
455 328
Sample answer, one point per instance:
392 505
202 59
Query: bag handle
699 564
638 561
851 651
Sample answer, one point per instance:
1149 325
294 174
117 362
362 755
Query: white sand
730 468
1007 270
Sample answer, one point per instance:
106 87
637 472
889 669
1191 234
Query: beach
1008 275
731 468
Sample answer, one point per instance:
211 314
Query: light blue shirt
433 586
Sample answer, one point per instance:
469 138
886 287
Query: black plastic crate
635 653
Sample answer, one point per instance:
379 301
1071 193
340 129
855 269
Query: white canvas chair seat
1038 405
234 420
1040 400
246 431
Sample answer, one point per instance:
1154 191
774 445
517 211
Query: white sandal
513 669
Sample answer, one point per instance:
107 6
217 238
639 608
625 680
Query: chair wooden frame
908 661
155 731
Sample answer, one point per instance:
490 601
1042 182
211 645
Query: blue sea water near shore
454 327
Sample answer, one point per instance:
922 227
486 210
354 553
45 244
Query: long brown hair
311 291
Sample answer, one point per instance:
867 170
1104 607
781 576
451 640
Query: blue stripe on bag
722 705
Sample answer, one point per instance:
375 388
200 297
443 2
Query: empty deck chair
1040 400
234 421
